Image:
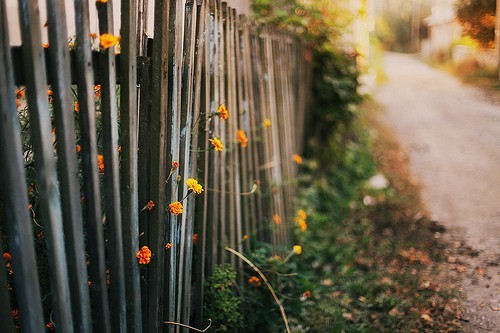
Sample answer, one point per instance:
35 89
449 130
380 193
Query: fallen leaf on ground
426 317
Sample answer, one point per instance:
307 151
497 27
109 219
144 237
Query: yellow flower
242 138
194 186
297 159
267 123
144 255
223 112
302 214
168 246
77 106
176 208
216 143
302 225
101 1
297 249
108 40
276 219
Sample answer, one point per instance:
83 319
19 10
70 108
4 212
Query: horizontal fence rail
129 164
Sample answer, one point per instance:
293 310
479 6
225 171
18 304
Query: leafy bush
222 305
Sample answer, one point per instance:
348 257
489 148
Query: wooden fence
144 120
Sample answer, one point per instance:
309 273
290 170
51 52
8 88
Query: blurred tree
478 20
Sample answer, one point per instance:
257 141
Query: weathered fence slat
199 136
203 56
15 198
158 174
129 176
44 162
92 198
66 148
109 114
189 170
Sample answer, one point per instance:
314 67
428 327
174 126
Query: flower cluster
300 220
222 112
144 255
242 138
194 186
108 40
254 281
100 163
176 208
216 143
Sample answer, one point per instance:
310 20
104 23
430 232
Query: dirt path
452 132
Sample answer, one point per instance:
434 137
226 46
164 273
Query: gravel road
452 133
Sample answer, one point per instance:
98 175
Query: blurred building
443 29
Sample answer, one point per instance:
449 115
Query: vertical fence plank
50 206
189 171
175 52
158 151
199 137
15 197
92 198
109 113
128 139
144 182
66 148
211 157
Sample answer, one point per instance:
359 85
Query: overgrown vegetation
478 19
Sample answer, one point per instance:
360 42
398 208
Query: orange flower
223 112
297 249
144 255
45 45
267 123
77 106
175 165
194 186
195 239
20 93
302 225
101 1
49 326
168 246
176 208
100 163
150 205
97 90
276 219
302 214
242 138
15 313
216 143
78 148
93 35
7 256
120 149
18 103
254 281
108 40
307 294
297 159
